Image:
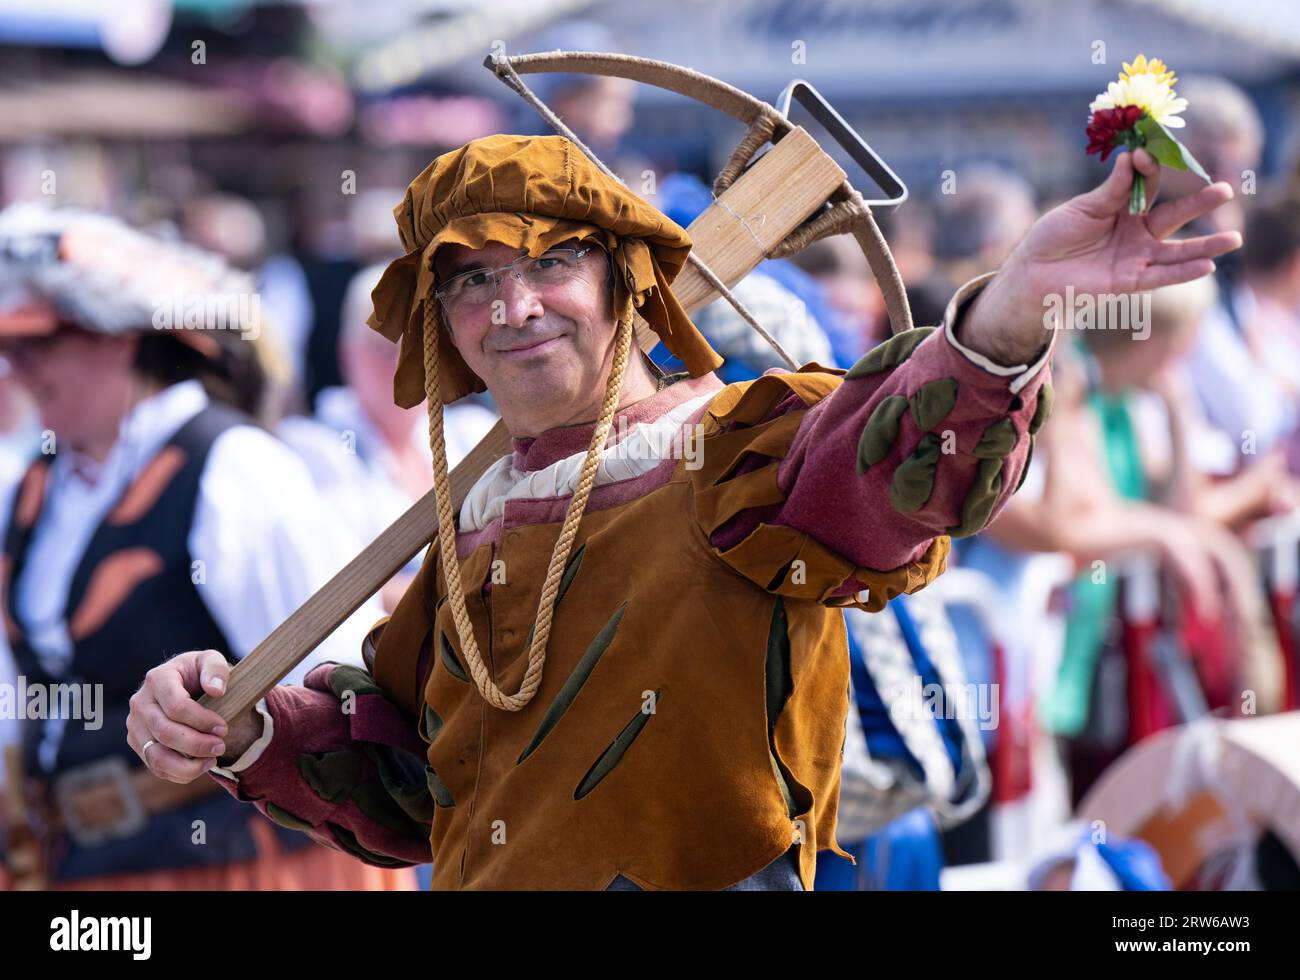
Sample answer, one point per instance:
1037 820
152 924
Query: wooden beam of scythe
782 188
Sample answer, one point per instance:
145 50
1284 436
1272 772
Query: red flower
1106 125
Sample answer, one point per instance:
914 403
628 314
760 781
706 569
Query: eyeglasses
479 286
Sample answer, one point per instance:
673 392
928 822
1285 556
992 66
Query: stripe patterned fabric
903 748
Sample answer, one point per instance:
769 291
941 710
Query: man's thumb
214 672
1113 192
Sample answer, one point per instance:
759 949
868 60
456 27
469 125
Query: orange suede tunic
690 723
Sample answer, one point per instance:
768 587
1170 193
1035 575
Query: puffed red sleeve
920 441
343 764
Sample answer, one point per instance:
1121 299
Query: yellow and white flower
1147 85
1156 98
1137 111
1154 67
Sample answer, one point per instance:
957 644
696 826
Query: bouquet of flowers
1137 112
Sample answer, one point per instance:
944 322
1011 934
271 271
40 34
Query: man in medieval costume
623 663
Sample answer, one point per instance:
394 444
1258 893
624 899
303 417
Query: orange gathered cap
526 192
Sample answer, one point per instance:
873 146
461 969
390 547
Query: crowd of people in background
1126 588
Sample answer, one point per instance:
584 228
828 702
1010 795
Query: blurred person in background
988 212
158 510
776 308
1225 134
234 228
1105 494
1271 293
1168 427
857 320
598 108
369 457
19 440
1238 393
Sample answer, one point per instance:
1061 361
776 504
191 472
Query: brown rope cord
833 221
532 679
759 132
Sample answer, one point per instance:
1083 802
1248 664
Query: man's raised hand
1093 245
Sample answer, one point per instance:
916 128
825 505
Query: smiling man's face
543 351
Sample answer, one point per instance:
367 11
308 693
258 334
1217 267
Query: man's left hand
1092 243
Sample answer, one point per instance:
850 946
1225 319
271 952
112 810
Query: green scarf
1093 602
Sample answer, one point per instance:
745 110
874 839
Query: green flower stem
1137 198
1132 140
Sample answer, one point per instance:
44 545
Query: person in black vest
158 514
